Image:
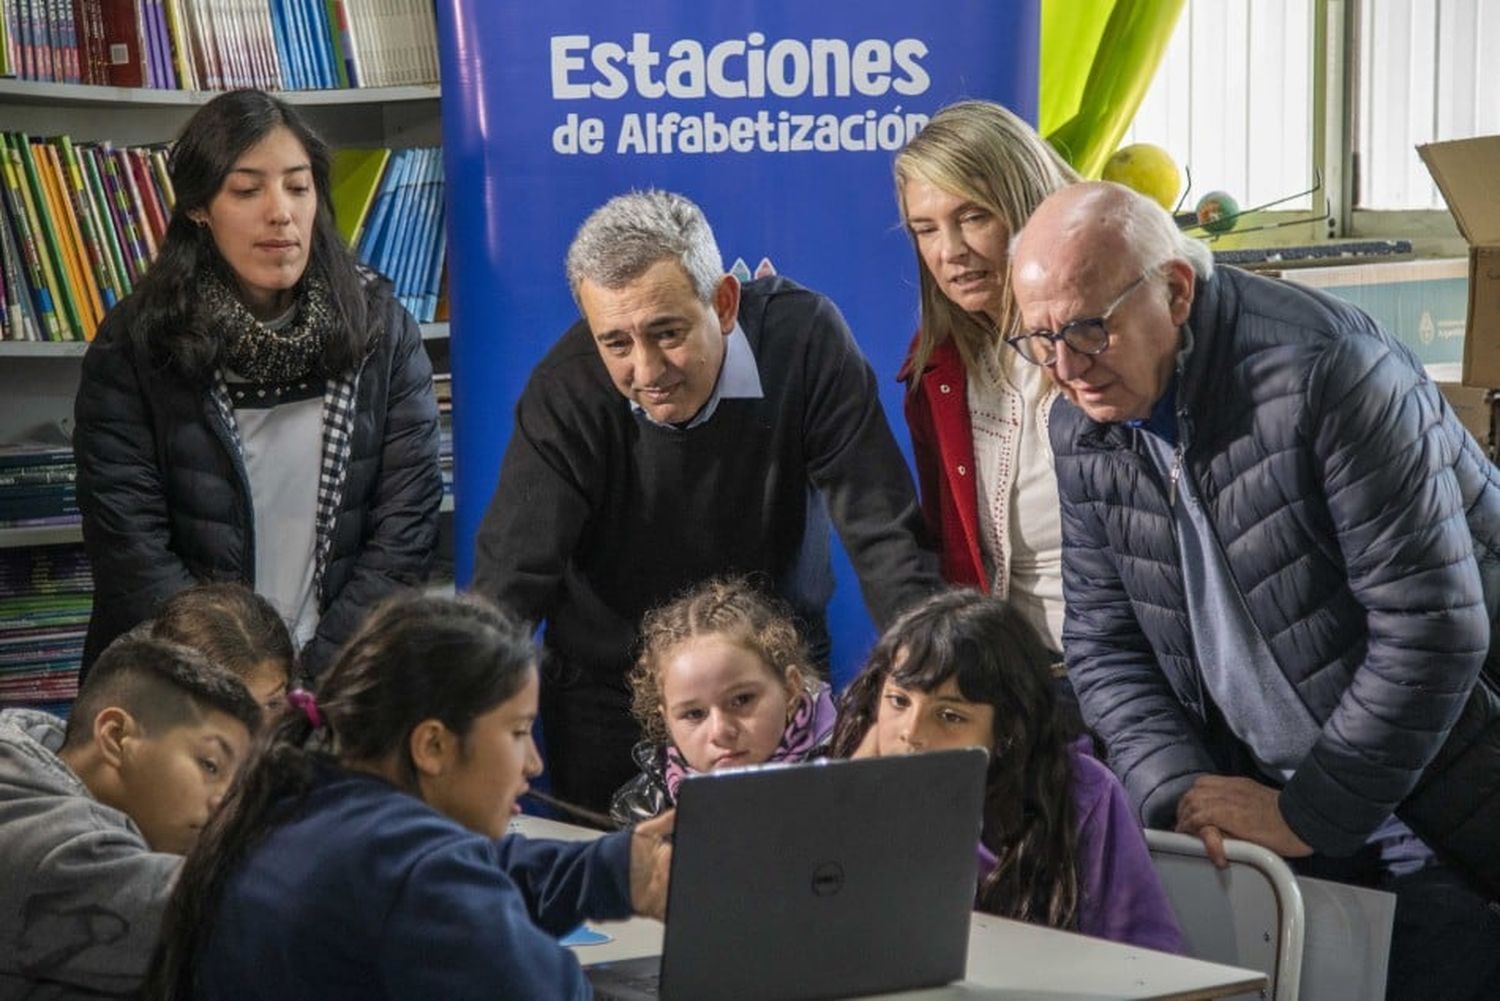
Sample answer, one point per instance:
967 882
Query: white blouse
1019 520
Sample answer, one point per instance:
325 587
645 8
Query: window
1422 77
1232 100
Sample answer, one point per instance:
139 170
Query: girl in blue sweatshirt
363 852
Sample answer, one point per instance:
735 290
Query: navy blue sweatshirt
368 893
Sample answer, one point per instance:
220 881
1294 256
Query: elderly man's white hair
1145 227
628 234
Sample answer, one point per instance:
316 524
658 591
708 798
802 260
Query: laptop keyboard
630 980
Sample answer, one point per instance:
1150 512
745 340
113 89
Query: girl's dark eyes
210 766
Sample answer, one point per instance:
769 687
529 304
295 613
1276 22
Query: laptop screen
824 879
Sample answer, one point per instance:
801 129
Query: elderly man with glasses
1281 564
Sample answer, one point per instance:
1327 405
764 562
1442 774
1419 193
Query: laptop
818 880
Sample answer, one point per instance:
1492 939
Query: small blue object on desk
584 935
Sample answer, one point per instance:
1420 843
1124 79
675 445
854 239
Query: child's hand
651 864
869 744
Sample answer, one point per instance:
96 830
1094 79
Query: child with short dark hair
1059 844
96 814
723 680
236 629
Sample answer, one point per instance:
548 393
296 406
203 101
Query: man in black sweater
749 423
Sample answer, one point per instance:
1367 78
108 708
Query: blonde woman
977 412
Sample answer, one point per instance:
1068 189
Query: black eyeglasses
1087 335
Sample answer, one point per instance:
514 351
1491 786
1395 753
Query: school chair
1328 940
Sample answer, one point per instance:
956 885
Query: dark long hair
415 659
998 661
162 312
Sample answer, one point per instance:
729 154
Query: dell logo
827 879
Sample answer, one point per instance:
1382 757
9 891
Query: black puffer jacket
1360 522
166 502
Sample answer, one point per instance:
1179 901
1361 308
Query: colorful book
88 217
356 176
24 232
41 227
85 289
93 179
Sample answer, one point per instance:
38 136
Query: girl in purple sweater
1060 845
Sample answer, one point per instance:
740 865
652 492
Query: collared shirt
739 379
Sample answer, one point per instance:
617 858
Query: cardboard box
1423 304
1465 171
1476 408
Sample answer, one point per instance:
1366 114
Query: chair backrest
1250 914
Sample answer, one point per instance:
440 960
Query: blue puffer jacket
1361 523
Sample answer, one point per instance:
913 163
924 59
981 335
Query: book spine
41 223
336 52
119 205
317 14
93 238
143 34
29 243
26 27
113 249
69 40
24 323
23 476
375 230
135 206
151 208
10 44
123 40
346 42
85 290
9 320
60 233
433 285
178 56
161 52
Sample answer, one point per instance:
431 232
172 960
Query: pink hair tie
308 704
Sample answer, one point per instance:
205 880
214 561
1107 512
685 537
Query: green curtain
1098 58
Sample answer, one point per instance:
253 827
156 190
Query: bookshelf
391 116
39 380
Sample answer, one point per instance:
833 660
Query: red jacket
942 443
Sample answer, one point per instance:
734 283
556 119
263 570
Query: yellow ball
1148 169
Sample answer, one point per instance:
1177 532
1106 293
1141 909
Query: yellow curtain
1097 60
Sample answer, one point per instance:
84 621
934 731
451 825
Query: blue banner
780 119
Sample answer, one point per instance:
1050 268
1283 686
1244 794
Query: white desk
1007 959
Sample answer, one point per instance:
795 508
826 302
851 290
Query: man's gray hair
1155 236
628 234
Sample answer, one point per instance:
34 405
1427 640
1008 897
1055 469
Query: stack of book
220 44
37 486
45 602
442 387
79 225
389 206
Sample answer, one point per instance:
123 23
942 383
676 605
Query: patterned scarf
809 729
255 351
